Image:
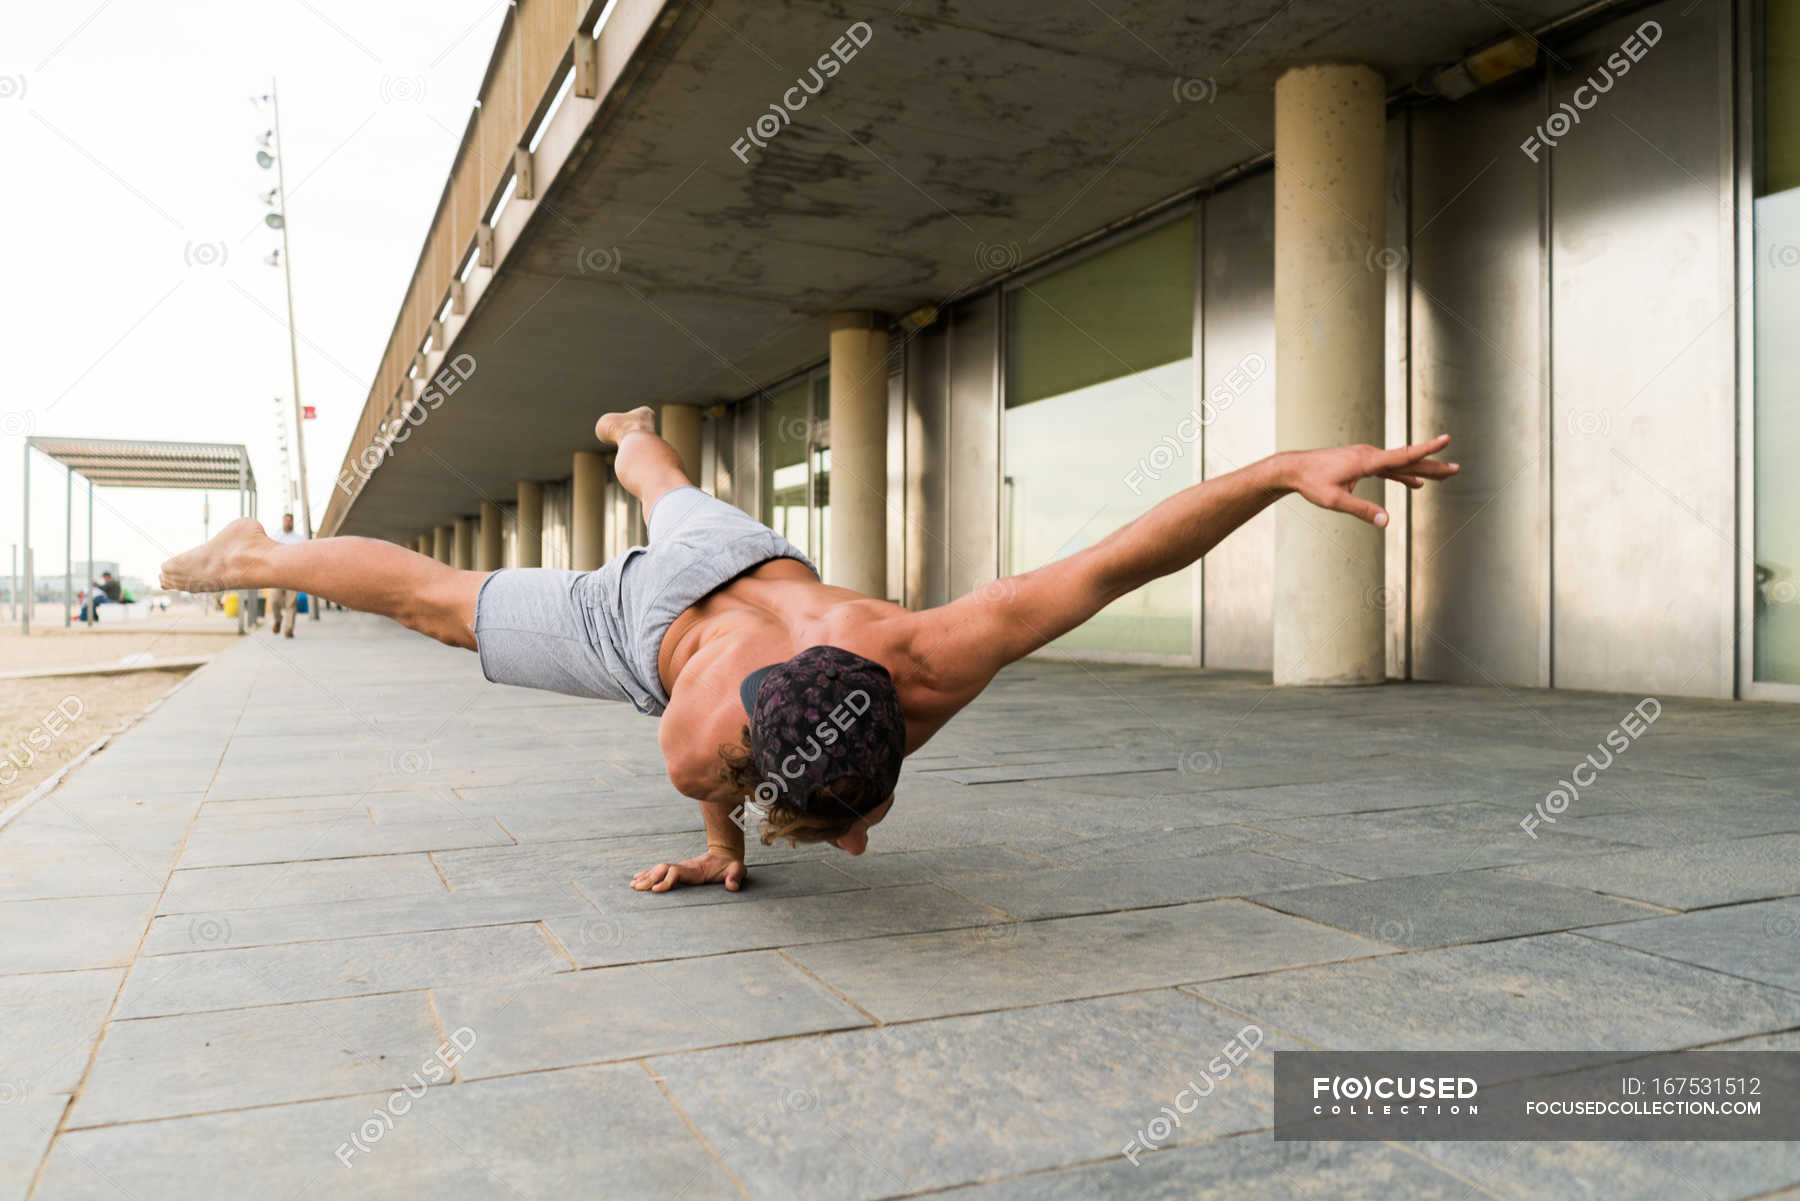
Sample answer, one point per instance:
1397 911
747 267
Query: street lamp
269 155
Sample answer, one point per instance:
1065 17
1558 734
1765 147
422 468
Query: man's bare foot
219 565
612 428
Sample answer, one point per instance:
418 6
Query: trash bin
301 603
231 604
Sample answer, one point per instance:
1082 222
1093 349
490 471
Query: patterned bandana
823 715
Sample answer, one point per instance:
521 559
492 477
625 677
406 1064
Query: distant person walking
284 603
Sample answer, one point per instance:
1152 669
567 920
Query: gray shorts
598 633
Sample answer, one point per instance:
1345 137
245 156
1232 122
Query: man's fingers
1401 477
1400 456
1356 506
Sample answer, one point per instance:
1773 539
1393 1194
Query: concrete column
441 539
422 544
488 547
1330 227
856 551
529 544
681 429
462 550
587 511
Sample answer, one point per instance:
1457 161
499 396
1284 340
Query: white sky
129 140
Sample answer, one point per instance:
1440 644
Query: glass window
1099 374
1777 431
796 464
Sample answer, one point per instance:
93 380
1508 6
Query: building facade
1587 273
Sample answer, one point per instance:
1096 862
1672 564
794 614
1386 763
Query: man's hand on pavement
714 867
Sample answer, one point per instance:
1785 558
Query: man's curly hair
839 803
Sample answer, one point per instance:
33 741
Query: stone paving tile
51 1023
437 910
1463 907
274 808
879 870
1714 873
1065 892
680 933
44 862
1099 815
1339 794
1094 765
353 834
642 1009
906 1109
1243 1166
1428 821
1144 846
591 1132
1758 941
208 889
1629 789
907 977
30 1120
72 932
197 1062
1420 855
233 978
543 864
1704 821
1228 778
1624 1171
560 819
1547 992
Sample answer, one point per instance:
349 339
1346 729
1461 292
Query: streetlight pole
287 275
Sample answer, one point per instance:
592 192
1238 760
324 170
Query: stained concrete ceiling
964 138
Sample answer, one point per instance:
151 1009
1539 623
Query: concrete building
947 293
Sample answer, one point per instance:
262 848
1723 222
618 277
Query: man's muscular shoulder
694 728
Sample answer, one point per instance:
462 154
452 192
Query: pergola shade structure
123 463
117 463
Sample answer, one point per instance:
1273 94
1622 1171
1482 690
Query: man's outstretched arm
959 647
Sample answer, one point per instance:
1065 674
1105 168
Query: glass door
1774 600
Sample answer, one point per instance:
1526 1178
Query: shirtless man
775 689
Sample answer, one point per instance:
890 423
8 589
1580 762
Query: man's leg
646 465
361 573
290 610
277 602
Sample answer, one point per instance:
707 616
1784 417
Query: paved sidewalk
331 874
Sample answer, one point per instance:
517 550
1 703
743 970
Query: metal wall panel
746 459
1644 406
896 469
1480 542
709 455
927 468
1394 259
1237 311
973 363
